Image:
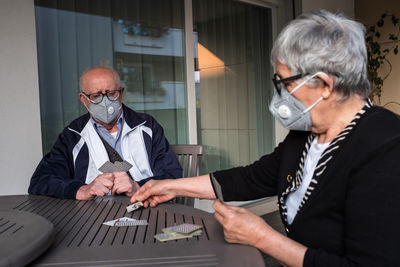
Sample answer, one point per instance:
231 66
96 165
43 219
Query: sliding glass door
232 42
144 40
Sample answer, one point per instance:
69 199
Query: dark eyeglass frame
277 80
96 98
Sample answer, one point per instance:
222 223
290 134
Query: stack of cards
118 166
134 206
185 230
125 221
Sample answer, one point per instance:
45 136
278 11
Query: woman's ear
327 85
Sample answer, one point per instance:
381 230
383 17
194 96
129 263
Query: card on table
125 221
169 236
185 228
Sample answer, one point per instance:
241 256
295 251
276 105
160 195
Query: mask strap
305 81
310 107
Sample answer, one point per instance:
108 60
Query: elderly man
109 132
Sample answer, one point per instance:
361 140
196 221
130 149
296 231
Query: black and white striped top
322 164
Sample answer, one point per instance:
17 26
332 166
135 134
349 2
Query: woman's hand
154 192
240 225
244 227
157 191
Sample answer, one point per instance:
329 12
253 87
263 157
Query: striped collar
322 164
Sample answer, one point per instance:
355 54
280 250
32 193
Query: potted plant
378 49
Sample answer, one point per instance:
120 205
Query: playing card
125 221
217 188
185 228
118 166
134 206
122 166
167 236
107 167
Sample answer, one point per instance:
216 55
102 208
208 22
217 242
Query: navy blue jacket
79 152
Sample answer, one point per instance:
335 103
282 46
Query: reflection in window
143 40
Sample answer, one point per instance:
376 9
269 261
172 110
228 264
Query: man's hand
124 184
100 186
240 225
154 192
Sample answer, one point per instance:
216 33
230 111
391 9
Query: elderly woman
336 174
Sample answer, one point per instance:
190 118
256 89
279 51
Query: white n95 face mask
290 112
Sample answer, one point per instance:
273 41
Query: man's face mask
288 110
107 109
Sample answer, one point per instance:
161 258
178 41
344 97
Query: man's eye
94 96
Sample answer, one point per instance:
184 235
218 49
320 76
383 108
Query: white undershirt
294 198
114 134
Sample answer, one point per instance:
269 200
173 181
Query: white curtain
234 86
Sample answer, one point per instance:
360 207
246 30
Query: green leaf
395 20
392 37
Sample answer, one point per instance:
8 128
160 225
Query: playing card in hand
134 206
107 167
217 188
122 166
118 166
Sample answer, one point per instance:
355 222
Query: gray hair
331 43
100 68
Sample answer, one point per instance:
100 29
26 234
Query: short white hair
331 43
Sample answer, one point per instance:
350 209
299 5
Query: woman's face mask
289 111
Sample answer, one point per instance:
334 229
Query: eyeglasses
277 80
96 98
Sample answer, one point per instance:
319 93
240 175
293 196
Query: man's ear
121 94
82 99
327 86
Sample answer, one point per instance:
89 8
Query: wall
339 6
20 137
368 12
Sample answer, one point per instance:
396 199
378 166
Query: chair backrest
188 158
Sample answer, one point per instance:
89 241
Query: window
144 40
233 41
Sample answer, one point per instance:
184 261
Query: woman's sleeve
254 181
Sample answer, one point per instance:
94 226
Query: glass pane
143 40
232 43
